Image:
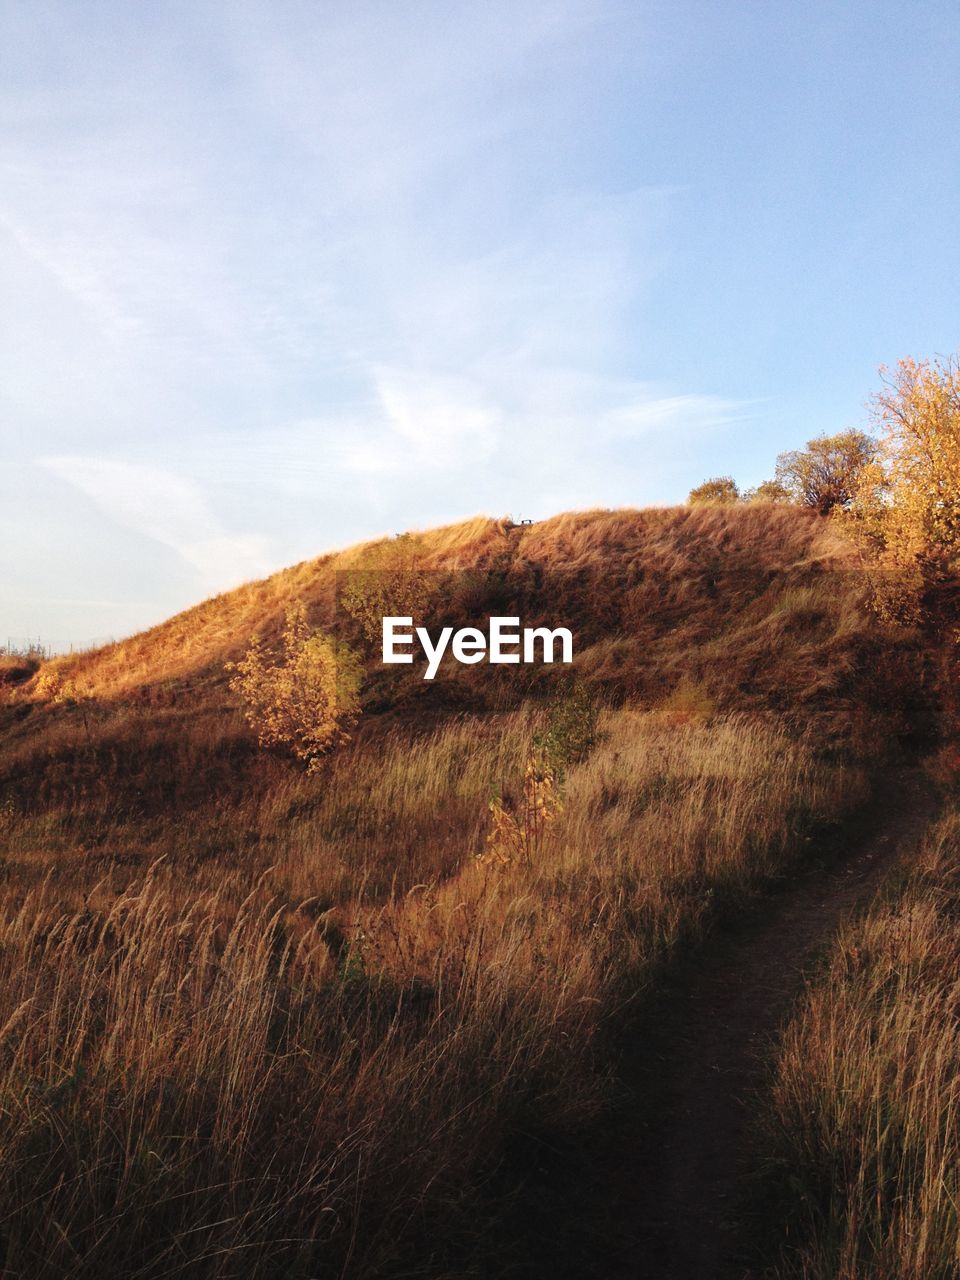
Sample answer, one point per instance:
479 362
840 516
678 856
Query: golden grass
274 1025
220 627
619 546
863 1138
758 608
304 1057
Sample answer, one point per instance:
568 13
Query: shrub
721 491
308 698
907 508
53 687
768 491
519 834
918 413
571 730
689 703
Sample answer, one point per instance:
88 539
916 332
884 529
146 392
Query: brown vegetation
266 1023
304 1066
762 606
862 1138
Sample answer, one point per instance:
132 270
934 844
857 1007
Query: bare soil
658 1194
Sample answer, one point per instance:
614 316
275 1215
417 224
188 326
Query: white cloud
405 91
354 267
72 268
640 417
442 419
169 508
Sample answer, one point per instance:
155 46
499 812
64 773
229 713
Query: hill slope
758 608
268 1023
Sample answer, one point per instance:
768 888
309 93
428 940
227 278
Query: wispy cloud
169 508
440 421
348 267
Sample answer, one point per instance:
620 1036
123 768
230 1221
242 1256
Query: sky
278 276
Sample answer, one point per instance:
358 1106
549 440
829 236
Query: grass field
263 1023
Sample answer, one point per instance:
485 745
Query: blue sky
280 276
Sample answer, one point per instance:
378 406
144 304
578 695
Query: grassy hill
630 575
267 1023
757 608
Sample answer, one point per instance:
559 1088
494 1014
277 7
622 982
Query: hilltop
755 608
758 607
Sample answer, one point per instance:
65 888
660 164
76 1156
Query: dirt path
713 1045
654 1195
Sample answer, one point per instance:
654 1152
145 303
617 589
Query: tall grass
266 1025
863 1136
287 1062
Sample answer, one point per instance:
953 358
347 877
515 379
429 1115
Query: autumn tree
306 697
908 506
828 473
918 415
721 491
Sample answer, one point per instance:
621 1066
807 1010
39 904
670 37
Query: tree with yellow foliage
918 412
769 491
907 507
720 491
307 698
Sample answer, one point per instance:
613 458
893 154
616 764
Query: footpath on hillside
655 1196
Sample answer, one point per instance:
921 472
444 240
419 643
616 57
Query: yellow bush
721 491
306 700
519 836
919 414
689 703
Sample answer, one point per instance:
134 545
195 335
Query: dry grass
270 1025
186 647
864 1135
295 1068
674 557
759 609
